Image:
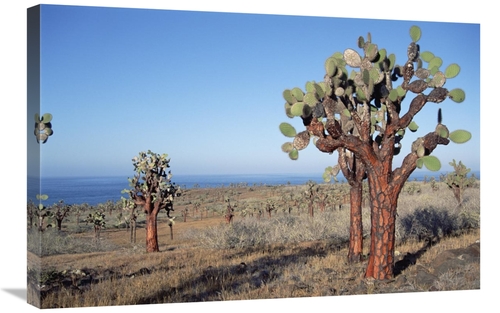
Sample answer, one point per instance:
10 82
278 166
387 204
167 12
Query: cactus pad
352 58
442 131
287 130
438 80
288 110
427 56
413 126
371 51
297 109
460 136
331 66
294 154
452 70
297 94
287 147
412 51
393 95
415 33
435 62
457 95
361 42
42 197
417 86
437 95
431 163
287 94
301 141
46 118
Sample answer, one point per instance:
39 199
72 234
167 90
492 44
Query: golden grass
184 271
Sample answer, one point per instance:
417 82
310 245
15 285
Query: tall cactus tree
153 190
362 112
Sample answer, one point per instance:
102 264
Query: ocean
94 190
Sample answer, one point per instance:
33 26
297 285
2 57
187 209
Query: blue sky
206 87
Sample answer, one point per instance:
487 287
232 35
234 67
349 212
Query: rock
424 278
455 259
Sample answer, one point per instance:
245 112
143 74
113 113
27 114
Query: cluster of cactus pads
43 127
361 94
152 179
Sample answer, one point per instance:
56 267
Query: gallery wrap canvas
184 157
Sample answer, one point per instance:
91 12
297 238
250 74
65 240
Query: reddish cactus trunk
151 233
384 197
356 230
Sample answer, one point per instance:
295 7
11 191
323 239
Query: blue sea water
94 190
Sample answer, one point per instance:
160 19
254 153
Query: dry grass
287 255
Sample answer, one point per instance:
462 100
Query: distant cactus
434 184
171 224
129 207
60 211
153 190
229 212
98 221
412 188
43 212
358 107
458 181
270 207
310 194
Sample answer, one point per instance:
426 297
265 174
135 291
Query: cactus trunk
383 226
152 210
356 225
151 233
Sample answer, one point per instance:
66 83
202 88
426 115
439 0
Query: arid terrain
273 248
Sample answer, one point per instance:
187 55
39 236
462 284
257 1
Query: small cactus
457 180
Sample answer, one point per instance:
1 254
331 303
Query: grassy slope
189 269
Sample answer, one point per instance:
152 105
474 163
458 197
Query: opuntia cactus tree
458 181
42 211
60 211
359 107
153 190
229 212
98 221
310 193
129 207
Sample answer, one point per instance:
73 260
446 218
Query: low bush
52 241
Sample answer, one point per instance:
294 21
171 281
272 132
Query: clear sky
206 88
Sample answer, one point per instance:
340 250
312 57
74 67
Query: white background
13 151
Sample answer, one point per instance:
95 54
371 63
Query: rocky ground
455 269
